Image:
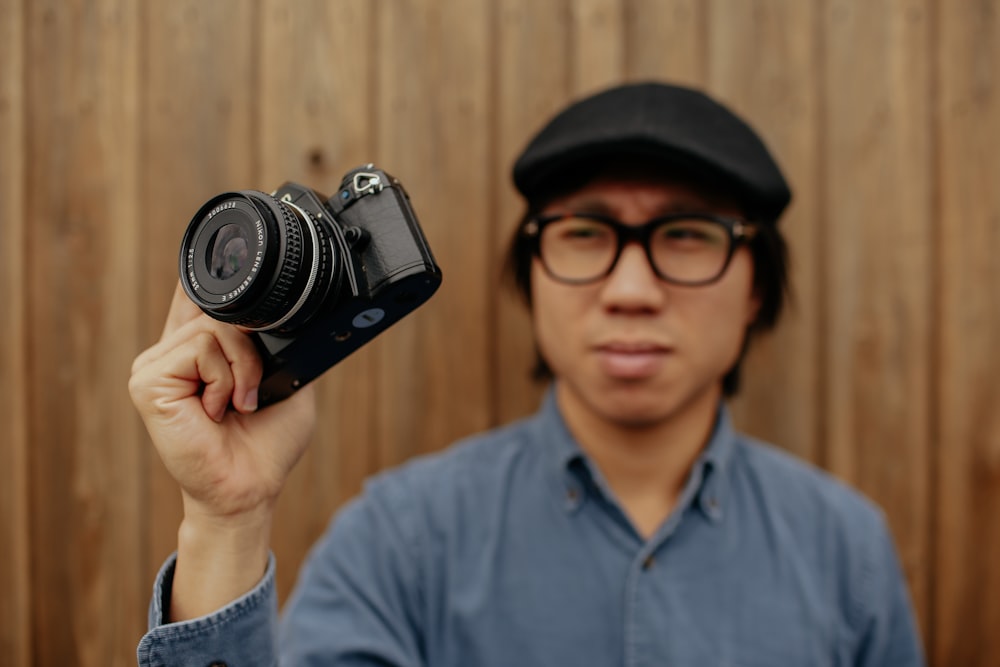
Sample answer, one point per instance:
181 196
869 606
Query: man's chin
635 412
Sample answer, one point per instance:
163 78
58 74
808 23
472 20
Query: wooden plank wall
15 542
118 119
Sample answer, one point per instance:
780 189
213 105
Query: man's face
630 348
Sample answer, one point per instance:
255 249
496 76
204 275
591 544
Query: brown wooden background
119 118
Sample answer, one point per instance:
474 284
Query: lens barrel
251 260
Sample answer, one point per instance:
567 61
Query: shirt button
648 563
572 499
217 663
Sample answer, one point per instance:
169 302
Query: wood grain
82 290
777 91
15 603
598 38
877 238
966 248
667 40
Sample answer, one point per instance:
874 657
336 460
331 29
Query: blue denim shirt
509 549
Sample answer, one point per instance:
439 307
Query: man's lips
631 359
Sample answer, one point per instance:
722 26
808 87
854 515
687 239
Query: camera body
312 278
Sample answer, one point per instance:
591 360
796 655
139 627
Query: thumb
182 311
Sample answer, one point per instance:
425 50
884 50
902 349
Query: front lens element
228 251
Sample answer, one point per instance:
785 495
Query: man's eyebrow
696 204
589 205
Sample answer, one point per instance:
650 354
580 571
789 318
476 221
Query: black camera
313 278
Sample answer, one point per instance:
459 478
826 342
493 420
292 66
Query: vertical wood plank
667 40
15 603
534 80
316 123
967 396
877 239
598 32
199 100
82 145
432 103
764 63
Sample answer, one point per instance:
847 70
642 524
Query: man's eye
694 233
684 233
584 232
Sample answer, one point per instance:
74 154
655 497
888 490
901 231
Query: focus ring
277 297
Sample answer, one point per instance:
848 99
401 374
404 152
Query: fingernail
250 400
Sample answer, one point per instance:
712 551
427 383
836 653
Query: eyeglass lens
580 249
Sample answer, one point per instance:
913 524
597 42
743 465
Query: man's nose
633 284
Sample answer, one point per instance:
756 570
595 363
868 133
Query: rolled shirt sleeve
243 632
356 603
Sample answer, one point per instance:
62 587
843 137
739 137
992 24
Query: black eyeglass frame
740 231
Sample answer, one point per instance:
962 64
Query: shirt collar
568 459
715 459
563 451
564 446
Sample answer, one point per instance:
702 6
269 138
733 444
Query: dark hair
768 250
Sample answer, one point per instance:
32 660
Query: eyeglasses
684 248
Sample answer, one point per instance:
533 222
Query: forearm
217 562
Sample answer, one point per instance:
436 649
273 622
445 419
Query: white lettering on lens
220 208
190 267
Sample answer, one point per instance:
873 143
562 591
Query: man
625 523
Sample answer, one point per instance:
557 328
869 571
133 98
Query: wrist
243 535
202 516
218 561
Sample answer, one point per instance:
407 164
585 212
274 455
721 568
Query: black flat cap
681 127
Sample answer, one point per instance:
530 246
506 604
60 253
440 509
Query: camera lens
264 264
229 248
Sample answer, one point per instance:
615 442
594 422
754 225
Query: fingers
230 373
203 362
201 358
